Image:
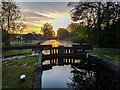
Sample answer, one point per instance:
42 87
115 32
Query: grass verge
106 54
9 53
12 70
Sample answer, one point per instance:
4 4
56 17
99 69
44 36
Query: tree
48 31
11 17
113 36
5 38
11 20
99 15
62 33
79 33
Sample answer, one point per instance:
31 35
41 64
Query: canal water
80 74
57 77
56 43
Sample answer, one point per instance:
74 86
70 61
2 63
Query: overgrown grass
9 53
12 70
106 54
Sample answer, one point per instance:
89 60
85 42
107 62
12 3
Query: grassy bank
106 54
9 53
12 70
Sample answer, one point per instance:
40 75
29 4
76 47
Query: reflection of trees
106 80
82 79
101 79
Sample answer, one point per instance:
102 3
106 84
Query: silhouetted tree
47 30
99 15
62 33
12 21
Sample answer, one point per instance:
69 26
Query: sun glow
57 20
55 44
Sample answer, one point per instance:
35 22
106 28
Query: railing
67 52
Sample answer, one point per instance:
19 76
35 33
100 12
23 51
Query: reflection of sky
57 77
38 13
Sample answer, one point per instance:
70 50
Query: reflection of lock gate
60 56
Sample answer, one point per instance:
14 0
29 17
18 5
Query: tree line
99 22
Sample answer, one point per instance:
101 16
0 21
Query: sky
38 13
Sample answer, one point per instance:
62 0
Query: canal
80 74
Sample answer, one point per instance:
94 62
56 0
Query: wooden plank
67 51
53 51
50 56
72 55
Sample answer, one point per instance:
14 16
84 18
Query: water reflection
45 52
56 43
82 79
99 79
61 61
79 74
59 72
57 77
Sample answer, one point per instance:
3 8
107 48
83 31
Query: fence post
50 56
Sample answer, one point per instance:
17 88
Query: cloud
45 6
38 13
31 13
57 19
33 24
38 19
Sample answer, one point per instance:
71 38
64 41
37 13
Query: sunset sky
38 13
